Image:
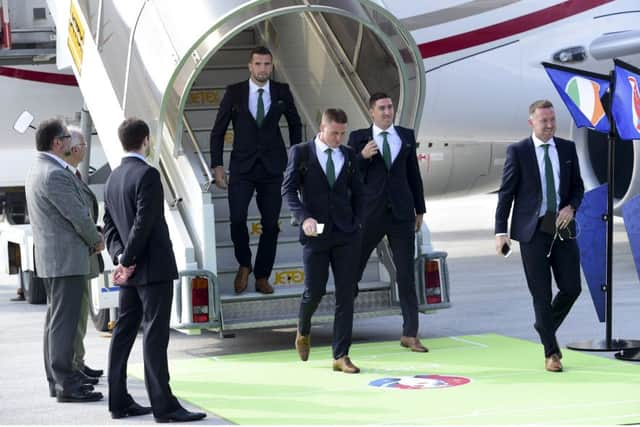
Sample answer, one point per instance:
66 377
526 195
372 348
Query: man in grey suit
77 153
64 237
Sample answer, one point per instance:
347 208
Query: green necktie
386 151
260 110
551 185
331 169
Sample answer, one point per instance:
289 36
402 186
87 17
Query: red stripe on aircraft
508 28
39 76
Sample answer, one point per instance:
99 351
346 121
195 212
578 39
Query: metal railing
210 180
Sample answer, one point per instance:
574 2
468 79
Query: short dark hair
541 103
132 133
376 97
335 115
259 50
47 132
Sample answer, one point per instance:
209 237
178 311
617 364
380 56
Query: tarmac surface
488 294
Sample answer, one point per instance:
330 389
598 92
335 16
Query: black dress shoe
82 387
180 416
95 373
133 410
79 396
86 379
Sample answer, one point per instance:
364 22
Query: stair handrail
210 180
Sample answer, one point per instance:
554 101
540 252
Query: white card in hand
319 228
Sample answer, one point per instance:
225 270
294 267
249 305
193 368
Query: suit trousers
150 305
564 262
78 343
340 252
60 329
269 200
400 234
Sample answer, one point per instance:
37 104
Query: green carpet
508 386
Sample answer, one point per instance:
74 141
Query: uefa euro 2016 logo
420 382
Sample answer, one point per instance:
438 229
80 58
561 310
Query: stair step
289 276
281 308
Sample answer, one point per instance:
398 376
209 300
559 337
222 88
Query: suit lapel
244 99
563 158
404 147
273 97
345 164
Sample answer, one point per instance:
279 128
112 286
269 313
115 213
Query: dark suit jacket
251 142
96 263
340 206
134 223
401 187
521 186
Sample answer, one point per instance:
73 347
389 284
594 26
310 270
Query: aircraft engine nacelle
594 159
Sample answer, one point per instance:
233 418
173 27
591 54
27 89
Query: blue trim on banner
592 244
631 215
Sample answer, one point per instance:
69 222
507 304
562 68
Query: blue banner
582 92
592 242
631 215
625 106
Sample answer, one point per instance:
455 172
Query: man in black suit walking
395 202
258 160
138 242
323 172
541 178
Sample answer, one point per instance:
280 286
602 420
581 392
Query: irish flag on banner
582 93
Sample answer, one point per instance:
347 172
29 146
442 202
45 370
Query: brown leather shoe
344 364
242 279
263 286
303 346
413 343
552 363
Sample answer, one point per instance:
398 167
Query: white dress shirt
392 138
136 155
253 97
61 162
336 156
555 163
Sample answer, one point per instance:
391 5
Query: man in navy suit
138 242
258 160
324 193
395 202
541 179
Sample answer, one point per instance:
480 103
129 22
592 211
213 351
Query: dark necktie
260 109
78 174
331 169
386 150
551 185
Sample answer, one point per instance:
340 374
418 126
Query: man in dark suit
77 152
258 159
323 172
64 238
138 242
394 200
541 179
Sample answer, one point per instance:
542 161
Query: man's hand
220 178
121 274
565 216
310 227
99 247
500 241
419 221
370 150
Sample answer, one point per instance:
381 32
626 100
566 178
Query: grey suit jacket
96 263
63 230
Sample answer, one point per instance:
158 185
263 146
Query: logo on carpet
420 382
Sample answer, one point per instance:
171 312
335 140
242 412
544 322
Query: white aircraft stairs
169 64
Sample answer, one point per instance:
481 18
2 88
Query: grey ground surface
489 294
